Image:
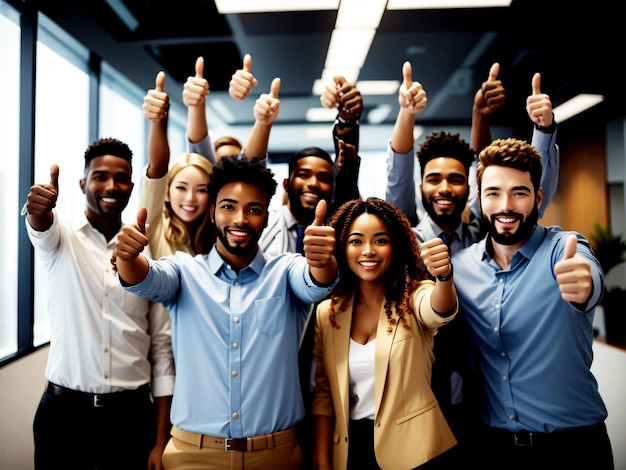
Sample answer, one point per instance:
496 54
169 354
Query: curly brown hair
511 153
406 270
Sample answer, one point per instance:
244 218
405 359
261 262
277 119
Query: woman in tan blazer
373 404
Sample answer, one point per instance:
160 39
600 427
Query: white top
103 339
361 366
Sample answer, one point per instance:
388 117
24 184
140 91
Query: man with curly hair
237 317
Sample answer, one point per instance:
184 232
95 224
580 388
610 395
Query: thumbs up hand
132 238
539 105
196 88
491 97
319 239
573 274
267 107
42 198
436 257
411 95
242 81
156 102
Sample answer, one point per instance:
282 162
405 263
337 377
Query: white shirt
103 339
361 366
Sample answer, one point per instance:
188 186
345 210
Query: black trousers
584 448
71 433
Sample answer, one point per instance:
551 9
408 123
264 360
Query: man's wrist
441 278
342 123
547 129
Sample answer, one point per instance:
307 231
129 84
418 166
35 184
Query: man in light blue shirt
236 322
529 295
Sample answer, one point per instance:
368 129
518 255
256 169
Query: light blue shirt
403 179
235 339
535 349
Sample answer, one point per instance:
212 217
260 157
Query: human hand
267 107
319 239
242 81
347 152
156 102
132 238
436 257
42 198
539 105
196 88
573 274
411 95
490 98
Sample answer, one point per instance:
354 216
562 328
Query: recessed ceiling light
575 106
258 6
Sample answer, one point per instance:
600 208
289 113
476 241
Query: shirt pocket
270 315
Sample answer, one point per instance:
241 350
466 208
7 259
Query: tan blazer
409 427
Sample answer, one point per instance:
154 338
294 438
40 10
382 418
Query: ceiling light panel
348 48
360 13
438 4
575 106
258 6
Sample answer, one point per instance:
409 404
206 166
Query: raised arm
195 92
539 109
400 189
41 199
319 248
131 265
266 110
488 100
155 107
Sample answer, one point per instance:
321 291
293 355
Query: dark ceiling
577 46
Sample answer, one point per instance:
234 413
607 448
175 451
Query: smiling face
187 194
509 204
240 215
445 191
107 186
369 249
311 180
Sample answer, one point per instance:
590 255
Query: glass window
62 133
9 175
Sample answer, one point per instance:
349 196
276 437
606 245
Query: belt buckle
96 402
524 440
235 445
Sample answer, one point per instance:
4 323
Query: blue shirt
535 349
235 339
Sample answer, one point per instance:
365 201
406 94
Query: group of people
440 327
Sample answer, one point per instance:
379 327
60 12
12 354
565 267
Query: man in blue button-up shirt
529 295
236 322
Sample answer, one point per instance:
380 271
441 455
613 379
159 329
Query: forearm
481 131
402 140
258 141
163 405
158 149
443 299
133 271
323 435
41 224
196 123
325 276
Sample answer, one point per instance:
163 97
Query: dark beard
452 219
238 250
525 228
299 212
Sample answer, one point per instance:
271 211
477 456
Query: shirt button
235 415
511 417
235 345
236 319
236 283
234 373
106 376
497 305
502 354
504 378
500 281
495 329
377 424
106 350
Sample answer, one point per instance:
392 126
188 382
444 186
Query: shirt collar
216 262
527 250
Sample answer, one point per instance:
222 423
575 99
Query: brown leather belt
266 441
100 400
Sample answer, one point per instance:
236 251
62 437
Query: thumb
275 87
247 63
536 84
570 247
160 81
142 215
320 213
54 176
339 80
407 73
200 67
494 71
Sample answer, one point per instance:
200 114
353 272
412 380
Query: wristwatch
448 277
549 129
342 123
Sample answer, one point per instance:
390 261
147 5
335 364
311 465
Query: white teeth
189 208
238 233
368 264
506 220
109 199
310 195
444 202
